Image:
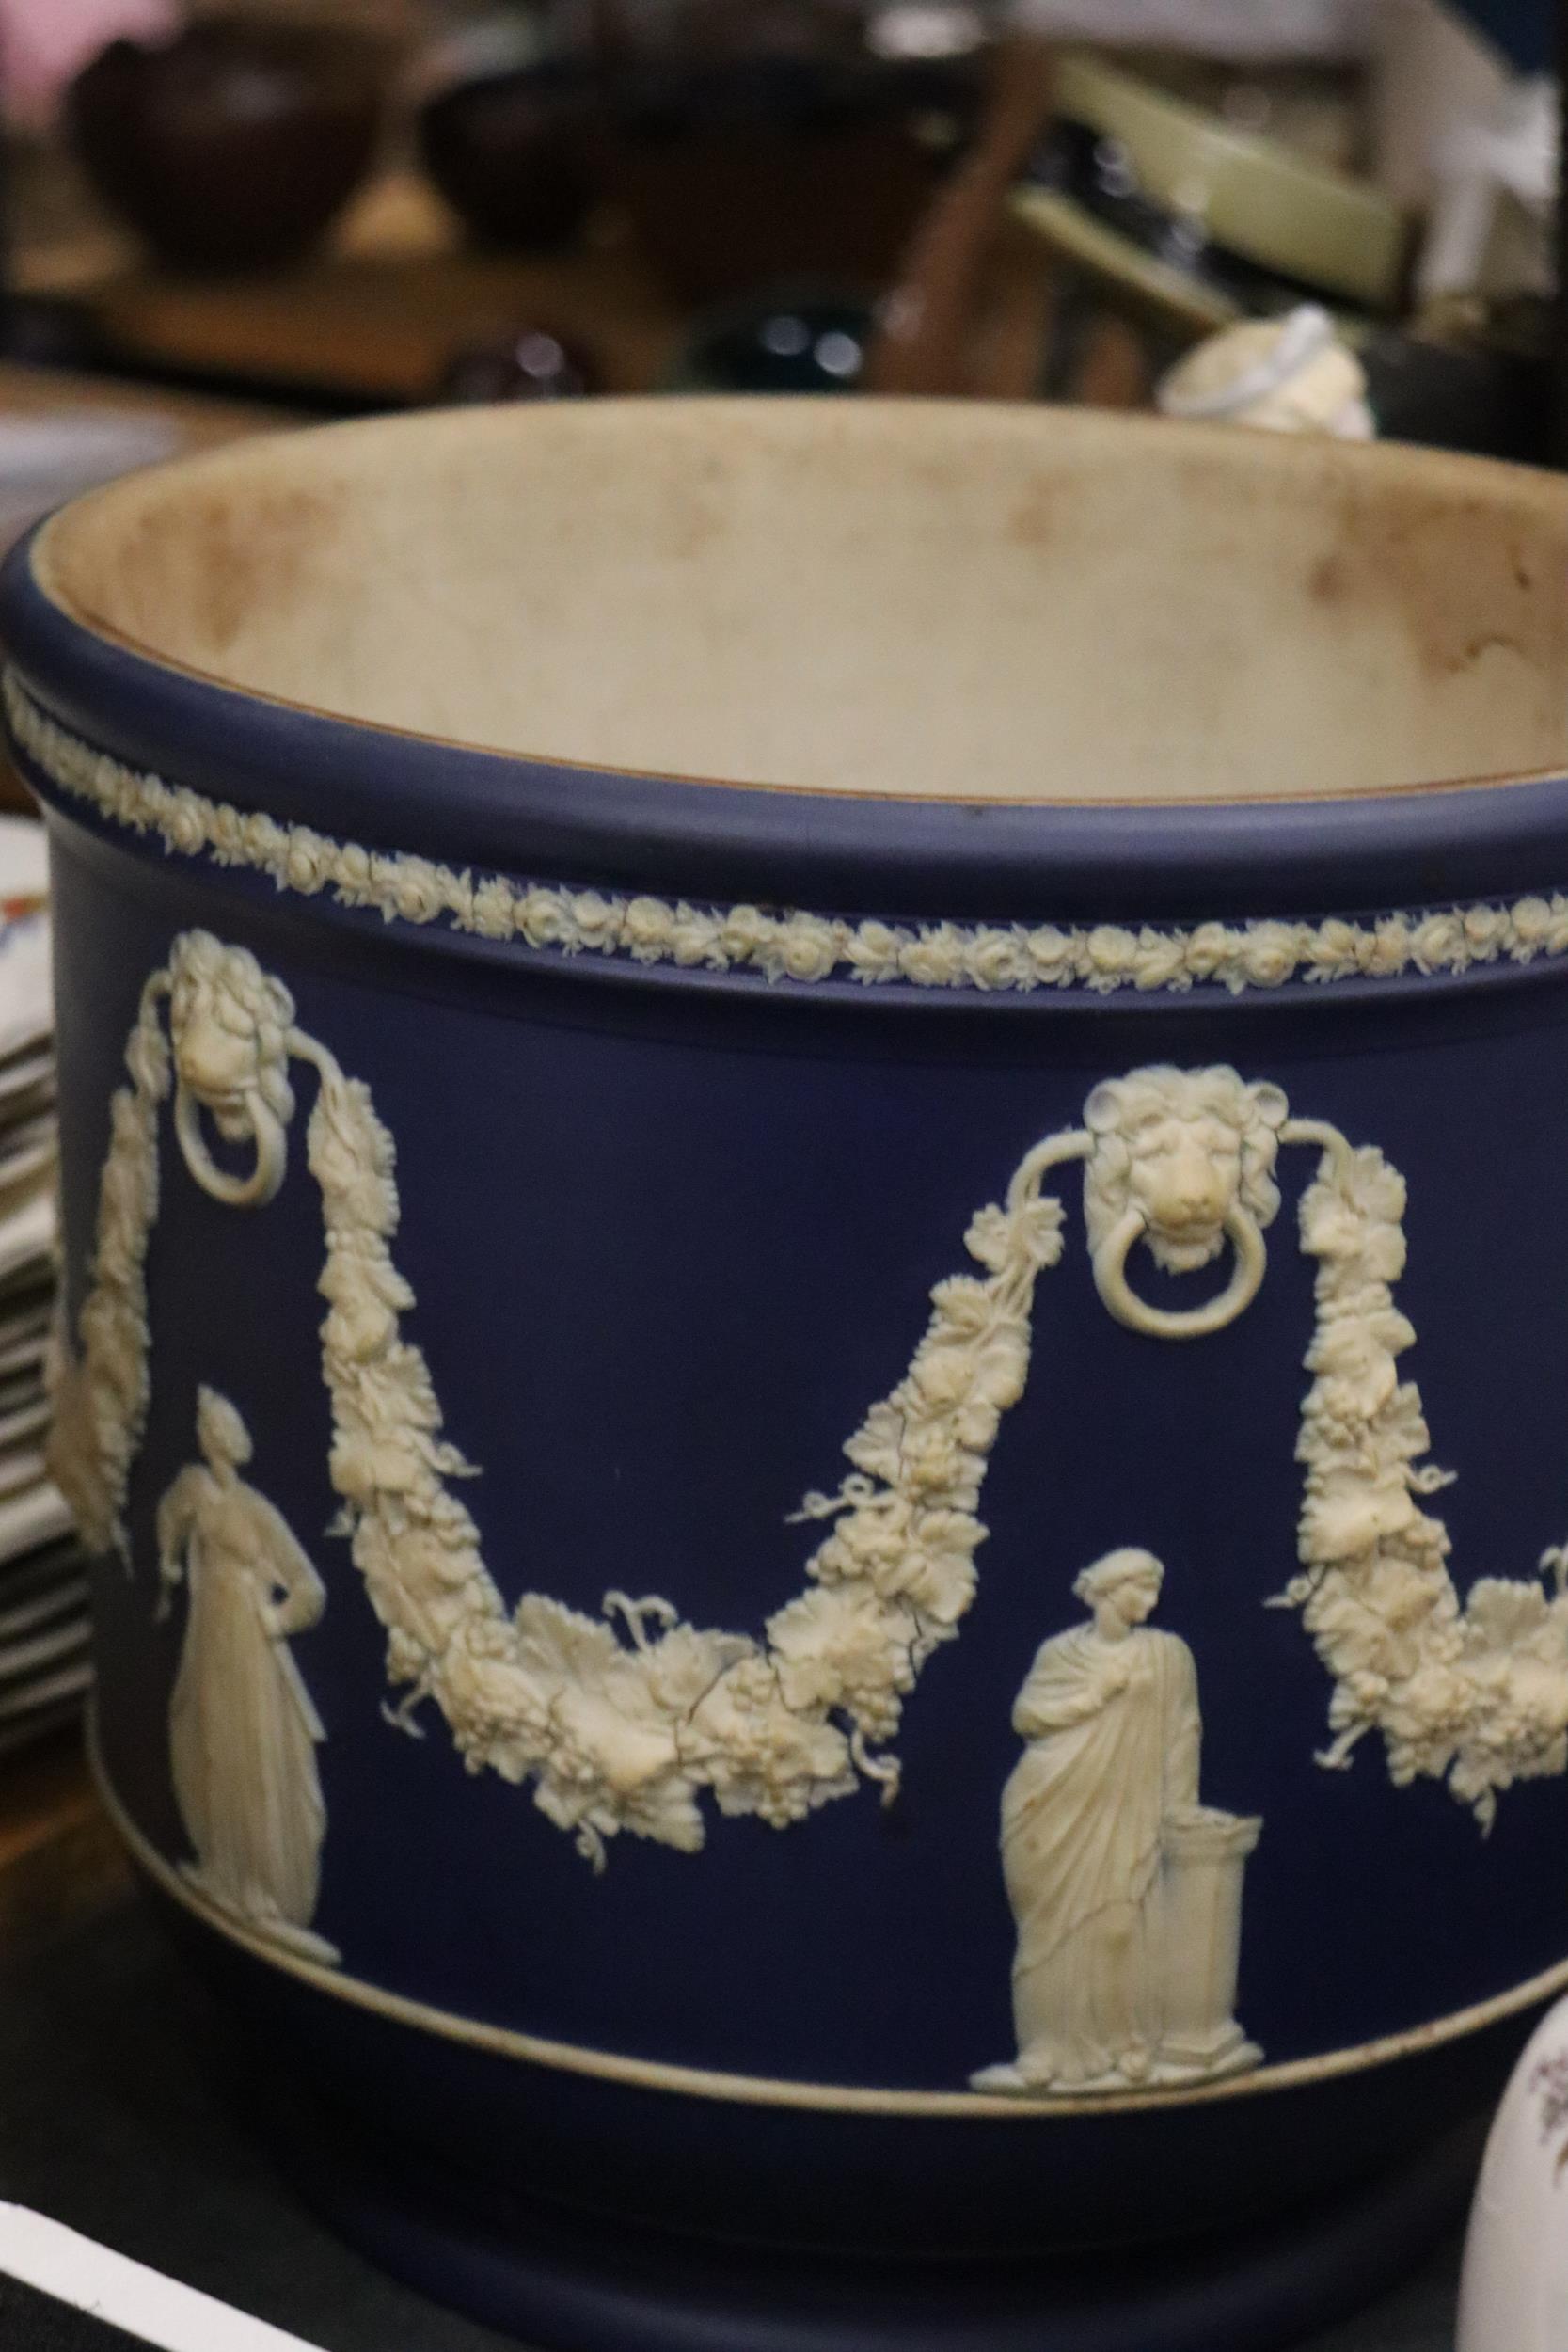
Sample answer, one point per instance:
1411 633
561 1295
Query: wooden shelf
384 328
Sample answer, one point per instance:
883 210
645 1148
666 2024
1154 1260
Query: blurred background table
202 422
379 316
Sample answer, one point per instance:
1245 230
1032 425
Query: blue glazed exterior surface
691 1272
668 1234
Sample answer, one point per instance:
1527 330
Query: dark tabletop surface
115 2117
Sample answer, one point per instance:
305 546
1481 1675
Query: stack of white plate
43 1630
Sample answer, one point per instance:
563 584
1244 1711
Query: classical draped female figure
1110 1713
243 1730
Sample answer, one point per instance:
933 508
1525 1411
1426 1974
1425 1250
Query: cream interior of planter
981 602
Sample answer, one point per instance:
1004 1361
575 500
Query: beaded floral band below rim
792 945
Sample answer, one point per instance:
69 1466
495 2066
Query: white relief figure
1125 1887
242 1729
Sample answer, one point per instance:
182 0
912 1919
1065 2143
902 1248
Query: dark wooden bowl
741 172
512 154
235 144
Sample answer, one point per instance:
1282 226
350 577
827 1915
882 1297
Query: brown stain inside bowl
1034 520
899 599
237 558
1440 563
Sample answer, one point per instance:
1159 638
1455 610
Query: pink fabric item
44 43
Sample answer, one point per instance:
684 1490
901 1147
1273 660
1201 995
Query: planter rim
836 852
648 940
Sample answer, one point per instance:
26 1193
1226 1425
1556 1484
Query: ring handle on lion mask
235 1189
1183 1160
1192 1323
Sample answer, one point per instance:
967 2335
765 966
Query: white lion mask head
1184 1148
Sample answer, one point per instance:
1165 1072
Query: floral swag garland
1474 1694
621 1721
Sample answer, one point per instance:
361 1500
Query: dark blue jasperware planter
779 1594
